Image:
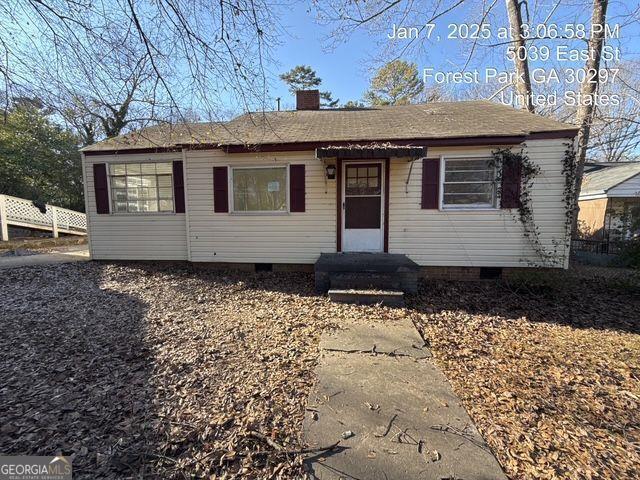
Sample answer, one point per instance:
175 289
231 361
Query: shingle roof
405 122
158 136
601 181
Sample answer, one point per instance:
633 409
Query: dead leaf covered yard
548 368
142 371
159 372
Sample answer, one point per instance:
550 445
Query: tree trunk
88 134
588 88
523 80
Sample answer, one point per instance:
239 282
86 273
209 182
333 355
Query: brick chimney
308 100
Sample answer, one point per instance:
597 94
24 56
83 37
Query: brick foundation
251 267
473 273
450 273
427 273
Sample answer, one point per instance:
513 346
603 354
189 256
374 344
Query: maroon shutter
220 190
430 183
511 180
178 186
101 187
296 188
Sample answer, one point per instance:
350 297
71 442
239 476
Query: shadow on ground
293 283
75 371
592 298
152 370
161 371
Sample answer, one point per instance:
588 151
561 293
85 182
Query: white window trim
139 214
477 207
232 209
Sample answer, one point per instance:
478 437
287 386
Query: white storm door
362 207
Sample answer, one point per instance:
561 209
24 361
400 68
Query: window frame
139 162
378 165
232 207
470 206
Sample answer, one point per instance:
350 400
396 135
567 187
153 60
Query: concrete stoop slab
393 411
387 298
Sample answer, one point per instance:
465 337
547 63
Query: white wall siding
259 238
144 236
474 237
429 237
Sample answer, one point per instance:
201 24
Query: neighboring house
610 202
280 188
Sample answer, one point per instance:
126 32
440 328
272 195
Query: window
259 189
363 180
469 182
141 187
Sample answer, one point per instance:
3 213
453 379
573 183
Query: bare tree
617 139
521 62
376 17
588 89
102 100
197 56
615 130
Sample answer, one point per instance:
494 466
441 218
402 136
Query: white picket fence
21 212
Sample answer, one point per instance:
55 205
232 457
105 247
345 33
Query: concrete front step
365 281
388 298
383 271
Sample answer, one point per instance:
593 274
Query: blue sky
344 68
341 69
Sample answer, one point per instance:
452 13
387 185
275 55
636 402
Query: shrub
630 253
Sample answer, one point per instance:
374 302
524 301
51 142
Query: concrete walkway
72 253
394 412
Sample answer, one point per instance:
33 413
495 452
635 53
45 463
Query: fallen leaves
138 370
161 371
548 368
172 372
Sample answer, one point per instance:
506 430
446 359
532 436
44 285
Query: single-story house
278 189
610 201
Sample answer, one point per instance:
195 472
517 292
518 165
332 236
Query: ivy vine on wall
569 170
507 157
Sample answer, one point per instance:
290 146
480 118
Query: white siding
476 238
628 188
260 238
429 237
147 236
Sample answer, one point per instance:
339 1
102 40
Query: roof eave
468 140
133 151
